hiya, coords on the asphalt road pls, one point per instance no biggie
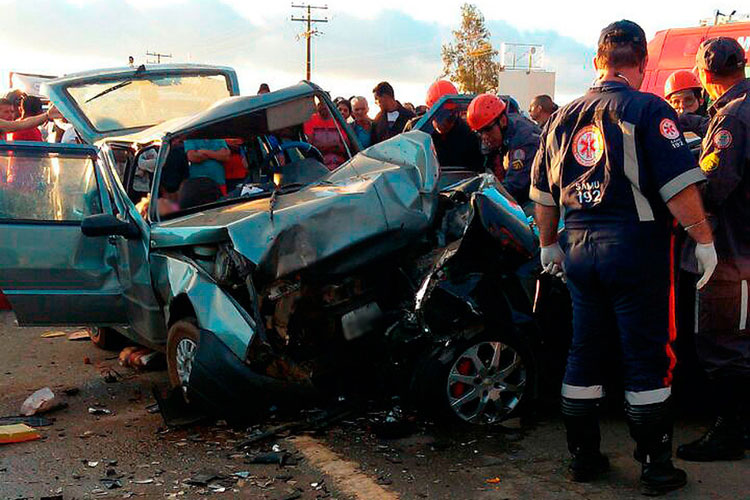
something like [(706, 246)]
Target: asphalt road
[(348, 460)]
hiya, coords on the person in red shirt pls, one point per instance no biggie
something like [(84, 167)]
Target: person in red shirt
[(323, 132), (30, 106), (235, 168)]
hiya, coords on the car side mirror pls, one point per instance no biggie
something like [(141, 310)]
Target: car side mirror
[(108, 225)]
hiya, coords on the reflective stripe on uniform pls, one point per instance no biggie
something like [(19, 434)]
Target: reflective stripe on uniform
[(743, 306), (638, 398), (580, 392), (555, 166), (672, 308), (630, 165), (680, 182)]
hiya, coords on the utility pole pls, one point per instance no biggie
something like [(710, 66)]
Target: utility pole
[(158, 56), (310, 32)]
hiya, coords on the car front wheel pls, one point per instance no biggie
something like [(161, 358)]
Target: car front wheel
[(182, 346)]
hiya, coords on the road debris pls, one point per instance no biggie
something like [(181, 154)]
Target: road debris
[(33, 420), (203, 478), (41, 401), (80, 335), (53, 334), (281, 458), (492, 480), (91, 463), (17, 433), (111, 483), (96, 410), (139, 357)]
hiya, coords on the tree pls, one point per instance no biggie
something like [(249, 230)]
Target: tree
[(470, 61)]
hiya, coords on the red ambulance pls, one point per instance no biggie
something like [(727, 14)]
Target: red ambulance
[(675, 49)]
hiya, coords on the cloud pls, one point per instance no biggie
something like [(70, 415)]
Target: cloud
[(362, 44)]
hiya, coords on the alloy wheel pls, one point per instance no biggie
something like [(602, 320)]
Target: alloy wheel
[(184, 357), (486, 382)]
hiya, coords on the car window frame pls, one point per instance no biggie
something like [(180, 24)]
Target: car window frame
[(84, 150)]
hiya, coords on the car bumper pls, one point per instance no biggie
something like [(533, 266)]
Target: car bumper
[(225, 385)]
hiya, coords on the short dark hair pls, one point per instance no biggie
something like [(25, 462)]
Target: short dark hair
[(383, 88), (615, 55), (15, 96), (345, 102), (546, 102), (32, 105)]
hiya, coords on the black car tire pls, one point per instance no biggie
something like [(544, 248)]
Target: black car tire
[(182, 333), (433, 391), (108, 339)]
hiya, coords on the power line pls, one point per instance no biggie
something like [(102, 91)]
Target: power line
[(310, 32), (158, 57)]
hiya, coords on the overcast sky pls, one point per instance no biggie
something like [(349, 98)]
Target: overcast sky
[(363, 42)]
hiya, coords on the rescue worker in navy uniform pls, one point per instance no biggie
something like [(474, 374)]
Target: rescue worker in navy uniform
[(455, 144), (617, 163), (509, 143), (722, 338)]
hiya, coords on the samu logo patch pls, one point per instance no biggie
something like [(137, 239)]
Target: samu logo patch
[(588, 146)]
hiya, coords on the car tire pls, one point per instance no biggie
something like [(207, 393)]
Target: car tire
[(182, 343), (108, 339), (447, 373)]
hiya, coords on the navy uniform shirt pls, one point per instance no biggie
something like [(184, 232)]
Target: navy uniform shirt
[(511, 164), (725, 160), (613, 156)]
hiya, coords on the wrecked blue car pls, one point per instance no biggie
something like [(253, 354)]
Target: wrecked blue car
[(292, 283)]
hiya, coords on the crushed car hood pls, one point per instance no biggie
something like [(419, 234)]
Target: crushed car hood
[(375, 203)]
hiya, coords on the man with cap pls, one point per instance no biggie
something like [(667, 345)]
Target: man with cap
[(456, 145), (722, 336), (684, 93), (617, 163), (509, 143)]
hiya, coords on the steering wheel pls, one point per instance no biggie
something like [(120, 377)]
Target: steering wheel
[(307, 149)]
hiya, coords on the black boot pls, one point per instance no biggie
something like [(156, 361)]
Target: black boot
[(581, 418), (723, 441), (651, 427)]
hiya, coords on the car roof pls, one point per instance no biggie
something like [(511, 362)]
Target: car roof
[(152, 68), (233, 106)]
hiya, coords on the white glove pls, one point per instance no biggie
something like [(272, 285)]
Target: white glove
[(552, 258), (705, 253)]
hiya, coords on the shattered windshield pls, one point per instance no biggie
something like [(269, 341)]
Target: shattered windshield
[(125, 104)]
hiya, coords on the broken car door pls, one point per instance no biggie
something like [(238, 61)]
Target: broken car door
[(49, 270)]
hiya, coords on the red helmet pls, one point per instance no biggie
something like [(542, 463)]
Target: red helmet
[(438, 89), (681, 80), (483, 110)]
